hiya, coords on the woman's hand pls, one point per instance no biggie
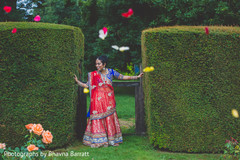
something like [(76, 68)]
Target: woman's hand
[(80, 83), (140, 75), (75, 77)]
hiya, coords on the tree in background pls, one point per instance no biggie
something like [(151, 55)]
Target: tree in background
[(14, 15), (93, 15)]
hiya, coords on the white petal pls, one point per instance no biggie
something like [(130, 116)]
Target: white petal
[(123, 48), (102, 35), (101, 32), (115, 47)]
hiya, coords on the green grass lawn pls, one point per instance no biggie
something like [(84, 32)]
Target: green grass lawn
[(134, 147)]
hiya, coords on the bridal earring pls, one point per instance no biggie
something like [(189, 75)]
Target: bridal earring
[(104, 68)]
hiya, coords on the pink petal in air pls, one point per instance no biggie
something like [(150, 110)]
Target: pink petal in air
[(128, 14), (14, 30), (125, 15), (37, 18), (130, 11), (206, 30), (7, 9), (105, 30)]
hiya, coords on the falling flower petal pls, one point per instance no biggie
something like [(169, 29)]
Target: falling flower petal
[(14, 30), (102, 35), (152, 68), (206, 30), (125, 15), (7, 9), (115, 47), (85, 90), (148, 69), (128, 14), (123, 48), (235, 113), (105, 30), (130, 11), (37, 18)]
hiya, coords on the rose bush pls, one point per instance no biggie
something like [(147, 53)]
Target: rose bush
[(32, 148), (232, 149)]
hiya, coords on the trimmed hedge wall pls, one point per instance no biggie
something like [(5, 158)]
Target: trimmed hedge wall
[(37, 85), (195, 85)]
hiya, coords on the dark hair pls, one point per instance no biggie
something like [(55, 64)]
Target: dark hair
[(103, 59)]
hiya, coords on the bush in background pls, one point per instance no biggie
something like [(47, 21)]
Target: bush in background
[(37, 86), (194, 87)]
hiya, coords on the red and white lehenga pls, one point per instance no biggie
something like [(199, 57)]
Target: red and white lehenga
[(103, 127)]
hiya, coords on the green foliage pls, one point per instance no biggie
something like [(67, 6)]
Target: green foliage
[(22, 152), (191, 12), (15, 15), (37, 67), (190, 94), (130, 70), (93, 15), (232, 149), (133, 148)]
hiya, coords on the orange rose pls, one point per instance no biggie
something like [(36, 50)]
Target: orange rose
[(29, 126), (37, 129), (2, 146), (47, 137), (32, 147)]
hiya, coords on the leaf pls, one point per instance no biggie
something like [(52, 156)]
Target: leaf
[(17, 149), (23, 148), (39, 142)]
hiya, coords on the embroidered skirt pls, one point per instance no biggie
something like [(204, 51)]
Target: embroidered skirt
[(103, 132)]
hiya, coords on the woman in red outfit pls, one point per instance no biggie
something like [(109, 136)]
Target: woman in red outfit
[(103, 127)]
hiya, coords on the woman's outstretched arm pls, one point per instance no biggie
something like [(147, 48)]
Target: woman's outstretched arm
[(80, 83), (132, 77)]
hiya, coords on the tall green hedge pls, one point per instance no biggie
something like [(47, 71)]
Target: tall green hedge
[(37, 85), (195, 85)]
